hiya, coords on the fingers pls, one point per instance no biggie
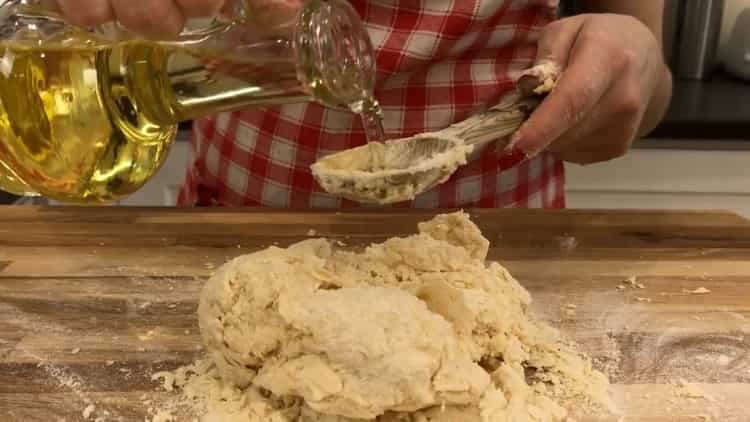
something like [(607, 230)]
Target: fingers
[(153, 19), (557, 40), (580, 87), (607, 134), (200, 8), (86, 12)]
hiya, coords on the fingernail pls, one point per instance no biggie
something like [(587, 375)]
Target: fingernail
[(514, 139), (530, 153)]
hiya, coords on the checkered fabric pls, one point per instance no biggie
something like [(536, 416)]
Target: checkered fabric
[(438, 62)]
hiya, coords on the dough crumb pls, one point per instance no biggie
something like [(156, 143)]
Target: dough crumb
[(148, 336), (163, 416), (688, 390), (75, 351), (88, 411), (312, 232), (643, 299), (109, 362), (567, 244), (633, 282), (621, 287), (698, 291), (168, 379), (449, 338)]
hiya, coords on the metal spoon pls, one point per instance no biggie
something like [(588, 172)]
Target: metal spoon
[(398, 170)]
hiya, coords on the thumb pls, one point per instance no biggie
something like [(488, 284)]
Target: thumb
[(553, 49)]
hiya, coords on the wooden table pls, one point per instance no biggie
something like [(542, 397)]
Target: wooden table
[(93, 300)]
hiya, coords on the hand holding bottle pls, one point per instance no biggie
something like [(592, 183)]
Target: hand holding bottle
[(151, 18)]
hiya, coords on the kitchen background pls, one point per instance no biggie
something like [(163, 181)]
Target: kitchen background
[(698, 158)]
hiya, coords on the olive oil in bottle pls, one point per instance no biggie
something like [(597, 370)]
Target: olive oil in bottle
[(72, 129), (93, 123)]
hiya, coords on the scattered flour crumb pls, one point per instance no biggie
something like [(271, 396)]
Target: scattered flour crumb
[(75, 351), (163, 416), (126, 372), (690, 391), (567, 244), (621, 287), (698, 291), (312, 232), (168, 379), (148, 336), (209, 266), (88, 411), (172, 306), (570, 309), (144, 305), (633, 282), (141, 349), (109, 362), (643, 299)]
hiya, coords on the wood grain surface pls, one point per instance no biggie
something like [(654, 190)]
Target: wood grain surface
[(94, 300)]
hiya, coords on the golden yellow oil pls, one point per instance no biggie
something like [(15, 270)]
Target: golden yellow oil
[(86, 122), (68, 126)]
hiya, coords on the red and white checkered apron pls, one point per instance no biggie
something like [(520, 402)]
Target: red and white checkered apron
[(438, 62)]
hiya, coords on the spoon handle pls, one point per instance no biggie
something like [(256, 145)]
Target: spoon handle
[(502, 120), (495, 123)]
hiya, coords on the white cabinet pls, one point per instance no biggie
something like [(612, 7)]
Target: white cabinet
[(666, 179), (162, 189)]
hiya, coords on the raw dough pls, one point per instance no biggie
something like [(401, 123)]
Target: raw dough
[(412, 329)]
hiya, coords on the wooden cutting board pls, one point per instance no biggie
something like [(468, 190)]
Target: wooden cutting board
[(94, 300)]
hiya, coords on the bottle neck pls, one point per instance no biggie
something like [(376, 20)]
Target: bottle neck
[(335, 58), (322, 55)]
